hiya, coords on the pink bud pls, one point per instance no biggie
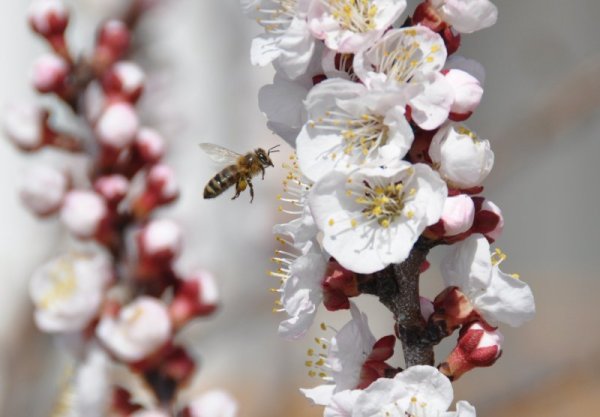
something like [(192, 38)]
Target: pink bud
[(197, 295), (25, 126), (48, 17), (488, 219), (161, 188), (150, 145), (112, 187), (43, 190), (458, 214), (478, 346), (50, 74), (118, 125), (160, 241), (83, 212), (215, 403), (124, 79), (467, 93), (113, 41)]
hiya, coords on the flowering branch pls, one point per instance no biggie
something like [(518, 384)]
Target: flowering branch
[(117, 294), (384, 171)]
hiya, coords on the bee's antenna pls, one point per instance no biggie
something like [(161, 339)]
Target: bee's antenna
[(273, 149)]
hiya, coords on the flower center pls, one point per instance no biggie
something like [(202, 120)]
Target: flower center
[(63, 284), (277, 18), (361, 135), (405, 57), (384, 203), (354, 15)]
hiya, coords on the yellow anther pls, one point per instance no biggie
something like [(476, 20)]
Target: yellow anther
[(385, 223), (308, 364), (331, 222), (312, 374), (353, 222), (320, 362), (410, 214), (323, 326), (310, 352)]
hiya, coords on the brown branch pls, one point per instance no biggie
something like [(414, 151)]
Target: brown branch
[(397, 287)]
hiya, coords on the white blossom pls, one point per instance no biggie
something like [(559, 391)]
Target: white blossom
[(496, 296), (372, 217), (286, 40), (49, 73), (82, 212), (349, 126), (349, 25), (462, 158), (301, 292), (140, 329), (409, 60), (24, 125), (68, 291), (467, 91), (417, 391), (118, 125), (347, 353), (43, 189), (467, 16), (92, 385)]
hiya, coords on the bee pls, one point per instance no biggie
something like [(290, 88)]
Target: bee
[(240, 170)]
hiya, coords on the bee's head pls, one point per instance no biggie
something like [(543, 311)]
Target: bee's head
[(264, 157)]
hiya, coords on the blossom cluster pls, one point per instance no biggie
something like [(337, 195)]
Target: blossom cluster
[(374, 103), (116, 298)]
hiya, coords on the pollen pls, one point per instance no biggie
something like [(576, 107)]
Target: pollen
[(353, 15), (331, 222)]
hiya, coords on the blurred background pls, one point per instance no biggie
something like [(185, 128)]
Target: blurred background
[(540, 110)]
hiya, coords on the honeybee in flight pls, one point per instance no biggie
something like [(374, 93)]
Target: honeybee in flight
[(240, 170)]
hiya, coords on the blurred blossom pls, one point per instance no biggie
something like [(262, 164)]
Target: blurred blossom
[(43, 189), (213, 403), (83, 212)]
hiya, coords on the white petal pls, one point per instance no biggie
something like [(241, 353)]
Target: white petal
[(428, 385), (264, 50), (468, 265), (342, 404), (431, 108), (319, 395)]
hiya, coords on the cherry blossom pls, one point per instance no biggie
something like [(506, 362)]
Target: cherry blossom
[(467, 16), (43, 189), (213, 403), (462, 158), (68, 291), (373, 216)]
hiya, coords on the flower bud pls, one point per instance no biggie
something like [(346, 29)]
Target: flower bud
[(214, 403), (124, 80), (67, 292), (488, 219), (118, 125), (452, 309), (161, 189), (178, 366), (113, 41), (83, 212), (43, 189), (427, 15), (458, 214), (466, 16), (50, 74), (338, 285), (26, 126), (140, 329), (478, 346), (197, 295), (467, 93), (160, 241), (150, 145), (462, 159), (48, 17), (113, 188)]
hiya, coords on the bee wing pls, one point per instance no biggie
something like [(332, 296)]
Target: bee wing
[(219, 154)]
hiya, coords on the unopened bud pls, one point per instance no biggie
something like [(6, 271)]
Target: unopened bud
[(452, 309), (488, 219), (467, 93), (83, 213), (197, 295), (125, 80), (458, 214), (161, 188), (43, 190), (117, 125), (113, 188), (50, 74), (113, 41), (150, 145), (478, 346), (25, 125), (48, 17), (178, 366), (160, 241)]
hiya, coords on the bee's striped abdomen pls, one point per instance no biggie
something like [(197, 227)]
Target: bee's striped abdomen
[(223, 180)]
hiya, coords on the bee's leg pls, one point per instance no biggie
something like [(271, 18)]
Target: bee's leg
[(262, 169), (240, 186), (251, 189)]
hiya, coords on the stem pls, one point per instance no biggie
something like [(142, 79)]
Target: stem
[(397, 287)]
